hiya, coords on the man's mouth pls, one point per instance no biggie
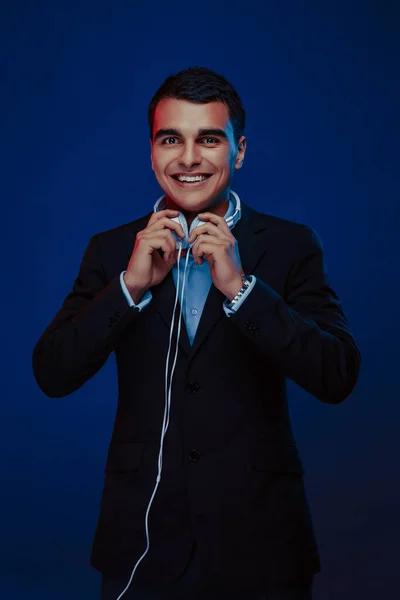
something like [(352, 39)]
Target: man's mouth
[(191, 180)]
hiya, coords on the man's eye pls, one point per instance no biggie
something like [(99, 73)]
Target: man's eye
[(165, 141)]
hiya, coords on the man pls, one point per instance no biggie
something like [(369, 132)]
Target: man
[(228, 514)]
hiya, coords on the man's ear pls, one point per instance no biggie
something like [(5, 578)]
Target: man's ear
[(151, 155), (241, 152)]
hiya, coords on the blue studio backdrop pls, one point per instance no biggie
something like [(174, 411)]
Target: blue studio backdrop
[(319, 82)]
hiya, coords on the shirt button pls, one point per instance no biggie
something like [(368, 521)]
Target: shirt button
[(194, 311)]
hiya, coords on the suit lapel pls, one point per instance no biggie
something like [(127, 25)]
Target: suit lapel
[(251, 250)]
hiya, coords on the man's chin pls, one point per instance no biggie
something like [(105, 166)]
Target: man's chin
[(189, 200)]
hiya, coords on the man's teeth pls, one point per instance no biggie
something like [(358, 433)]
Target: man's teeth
[(192, 179)]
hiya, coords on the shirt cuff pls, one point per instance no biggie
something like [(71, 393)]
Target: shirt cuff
[(231, 311), (147, 297)]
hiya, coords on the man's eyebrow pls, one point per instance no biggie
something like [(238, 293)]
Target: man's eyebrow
[(211, 131)]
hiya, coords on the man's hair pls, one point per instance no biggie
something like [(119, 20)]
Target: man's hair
[(201, 85)]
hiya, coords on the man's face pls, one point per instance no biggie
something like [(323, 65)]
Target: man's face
[(180, 147)]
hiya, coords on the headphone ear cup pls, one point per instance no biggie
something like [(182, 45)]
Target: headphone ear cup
[(181, 243)]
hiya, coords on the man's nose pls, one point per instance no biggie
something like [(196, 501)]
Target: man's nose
[(190, 155)]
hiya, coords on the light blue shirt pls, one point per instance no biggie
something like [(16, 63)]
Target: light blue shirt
[(197, 285)]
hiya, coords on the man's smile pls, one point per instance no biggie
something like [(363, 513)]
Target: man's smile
[(191, 180)]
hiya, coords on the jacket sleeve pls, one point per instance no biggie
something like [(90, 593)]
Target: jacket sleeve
[(306, 337), (77, 343)]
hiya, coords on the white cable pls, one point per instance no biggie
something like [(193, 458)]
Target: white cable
[(168, 403)]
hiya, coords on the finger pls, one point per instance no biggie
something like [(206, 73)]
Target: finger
[(177, 227), (156, 216), (170, 254), (159, 216), (209, 228), (216, 220), (206, 246), (164, 241), (166, 222)]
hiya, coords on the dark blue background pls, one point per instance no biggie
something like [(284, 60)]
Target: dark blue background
[(319, 81)]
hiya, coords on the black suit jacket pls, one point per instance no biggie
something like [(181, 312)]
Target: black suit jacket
[(232, 479)]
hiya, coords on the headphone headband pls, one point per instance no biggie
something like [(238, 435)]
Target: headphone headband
[(230, 221)]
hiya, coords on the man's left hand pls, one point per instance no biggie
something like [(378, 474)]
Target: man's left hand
[(217, 244)]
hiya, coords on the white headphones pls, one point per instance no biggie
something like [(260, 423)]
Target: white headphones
[(183, 243)]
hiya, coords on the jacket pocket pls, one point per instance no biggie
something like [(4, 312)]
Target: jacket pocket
[(277, 457), (124, 457)]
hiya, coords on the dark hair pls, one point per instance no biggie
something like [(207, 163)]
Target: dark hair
[(199, 84)]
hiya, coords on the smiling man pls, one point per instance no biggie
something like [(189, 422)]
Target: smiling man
[(222, 511), (194, 155)]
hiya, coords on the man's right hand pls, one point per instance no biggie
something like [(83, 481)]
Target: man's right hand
[(146, 268)]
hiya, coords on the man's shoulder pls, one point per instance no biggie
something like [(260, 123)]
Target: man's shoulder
[(281, 224), (284, 228), (124, 229)]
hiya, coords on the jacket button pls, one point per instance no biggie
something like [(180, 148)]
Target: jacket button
[(194, 455), (192, 386)]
